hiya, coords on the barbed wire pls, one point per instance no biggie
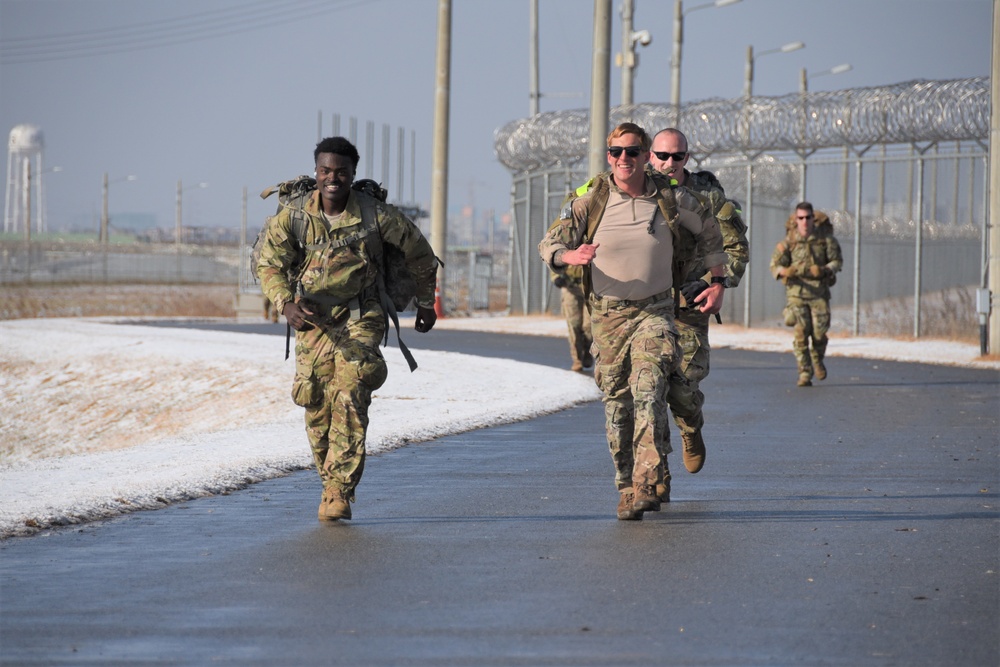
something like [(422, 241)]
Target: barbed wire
[(912, 112)]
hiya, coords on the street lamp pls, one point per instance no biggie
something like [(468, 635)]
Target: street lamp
[(675, 60), (103, 236), (748, 83), (804, 77), (628, 59), (177, 225)]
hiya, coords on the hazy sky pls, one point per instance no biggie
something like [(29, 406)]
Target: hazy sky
[(229, 92)]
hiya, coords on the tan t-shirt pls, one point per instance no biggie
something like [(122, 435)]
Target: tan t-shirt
[(632, 263)]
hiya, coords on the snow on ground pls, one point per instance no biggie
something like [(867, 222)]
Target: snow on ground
[(926, 351), (99, 418)]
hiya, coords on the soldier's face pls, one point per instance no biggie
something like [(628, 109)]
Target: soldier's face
[(624, 167), (804, 222), (669, 146), (334, 175)]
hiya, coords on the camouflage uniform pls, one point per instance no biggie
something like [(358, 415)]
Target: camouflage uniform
[(685, 397), (635, 340), (816, 260), (338, 363)]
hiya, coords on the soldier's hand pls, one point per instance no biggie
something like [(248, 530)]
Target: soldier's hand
[(692, 289), (297, 316), (581, 256), (426, 317), (710, 298), (790, 272), (816, 271)]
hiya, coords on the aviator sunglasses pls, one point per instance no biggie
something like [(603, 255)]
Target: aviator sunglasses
[(664, 156), (631, 151)]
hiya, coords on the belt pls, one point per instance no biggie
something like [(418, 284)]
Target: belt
[(604, 304)]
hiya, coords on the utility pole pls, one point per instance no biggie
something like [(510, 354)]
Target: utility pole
[(599, 78), (990, 319), (628, 53), (439, 170), (533, 93)]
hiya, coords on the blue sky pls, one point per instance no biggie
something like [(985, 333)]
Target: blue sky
[(233, 100)]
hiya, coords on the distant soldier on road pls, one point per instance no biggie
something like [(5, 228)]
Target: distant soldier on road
[(573, 303), (807, 261)]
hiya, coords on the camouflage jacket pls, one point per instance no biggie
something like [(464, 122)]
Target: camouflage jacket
[(571, 229), (734, 230), (819, 249), (334, 263)]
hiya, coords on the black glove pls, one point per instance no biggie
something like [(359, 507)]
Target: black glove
[(559, 281), (691, 290)]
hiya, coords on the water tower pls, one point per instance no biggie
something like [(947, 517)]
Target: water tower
[(25, 143)]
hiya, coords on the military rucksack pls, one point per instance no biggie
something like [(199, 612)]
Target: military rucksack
[(396, 285)]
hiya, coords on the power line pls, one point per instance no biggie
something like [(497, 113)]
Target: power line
[(211, 24)]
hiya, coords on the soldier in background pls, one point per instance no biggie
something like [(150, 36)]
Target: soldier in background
[(337, 312), (807, 261), (669, 156), (574, 308), (621, 230)]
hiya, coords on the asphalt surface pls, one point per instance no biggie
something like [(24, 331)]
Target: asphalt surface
[(852, 523)]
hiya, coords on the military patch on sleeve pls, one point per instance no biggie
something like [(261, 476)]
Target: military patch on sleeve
[(567, 212)]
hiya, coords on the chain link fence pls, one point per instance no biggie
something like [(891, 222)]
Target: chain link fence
[(40, 262), (901, 171)]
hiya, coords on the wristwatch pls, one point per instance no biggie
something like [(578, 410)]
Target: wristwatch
[(722, 280)]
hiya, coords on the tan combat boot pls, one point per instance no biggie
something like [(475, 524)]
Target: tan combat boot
[(805, 379), (626, 506), (334, 505), (663, 488), (817, 361), (646, 499), (694, 451)]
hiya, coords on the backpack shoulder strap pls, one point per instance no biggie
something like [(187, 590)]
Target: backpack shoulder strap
[(599, 194), (373, 241)]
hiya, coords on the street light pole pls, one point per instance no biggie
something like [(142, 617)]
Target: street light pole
[(675, 60), (177, 222), (804, 77), (628, 59), (628, 53), (751, 58), (103, 236), (177, 217)]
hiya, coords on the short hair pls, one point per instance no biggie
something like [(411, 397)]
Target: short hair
[(674, 131), (630, 128), (804, 206), (337, 146)]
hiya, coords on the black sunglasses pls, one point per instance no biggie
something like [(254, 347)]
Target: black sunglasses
[(660, 155), (631, 151)]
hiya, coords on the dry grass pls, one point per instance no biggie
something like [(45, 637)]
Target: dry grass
[(30, 301), (947, 315)]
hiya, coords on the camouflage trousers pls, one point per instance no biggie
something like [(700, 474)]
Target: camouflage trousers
[(574, 309), (637, 350), (812, 321), (685, 397), (338, 365)]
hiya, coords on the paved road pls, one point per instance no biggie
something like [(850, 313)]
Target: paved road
[(854, 523)]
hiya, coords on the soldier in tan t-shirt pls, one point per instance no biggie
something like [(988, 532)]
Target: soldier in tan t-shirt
[(622, 232)]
